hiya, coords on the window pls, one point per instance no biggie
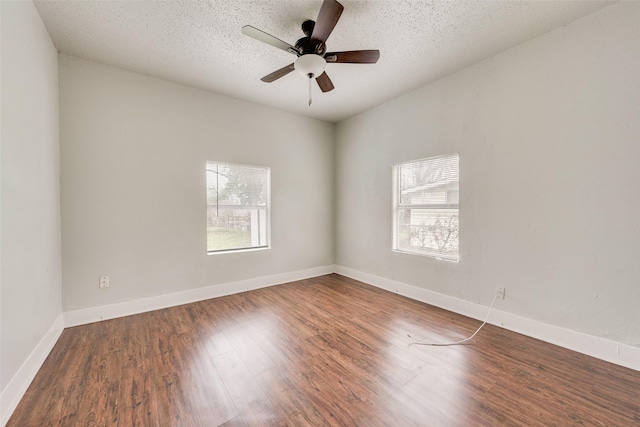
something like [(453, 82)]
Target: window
[(237, 207), (426, 194)]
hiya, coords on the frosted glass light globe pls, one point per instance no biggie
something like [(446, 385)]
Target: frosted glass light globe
[(310, 65)]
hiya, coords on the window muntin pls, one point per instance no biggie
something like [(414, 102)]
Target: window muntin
[(237, 207), (426, 198)]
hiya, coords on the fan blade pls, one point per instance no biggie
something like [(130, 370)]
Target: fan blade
[(260, 35), (353, 57), (278, 73), (327, 19), (324, 82)]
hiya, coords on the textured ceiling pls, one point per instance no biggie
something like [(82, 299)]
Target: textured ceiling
[(200, 44)]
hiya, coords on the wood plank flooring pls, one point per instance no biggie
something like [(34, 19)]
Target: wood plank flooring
[(328, 351)]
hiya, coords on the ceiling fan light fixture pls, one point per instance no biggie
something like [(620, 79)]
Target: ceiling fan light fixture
[(310, 65)]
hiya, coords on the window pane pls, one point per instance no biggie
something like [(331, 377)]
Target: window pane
[(429, 181), (234, 185), (237, 211), (428, 231)]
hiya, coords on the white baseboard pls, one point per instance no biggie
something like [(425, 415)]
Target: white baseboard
[(18, 385), (112, 311), (610, 351)]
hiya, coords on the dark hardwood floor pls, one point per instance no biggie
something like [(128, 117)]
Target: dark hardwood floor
[(328, 351)]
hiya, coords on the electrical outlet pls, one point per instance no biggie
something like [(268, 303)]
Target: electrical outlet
[(104, 282), (501, 293)]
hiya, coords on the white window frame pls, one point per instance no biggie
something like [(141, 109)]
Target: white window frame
[(263, 242), (403, 234)]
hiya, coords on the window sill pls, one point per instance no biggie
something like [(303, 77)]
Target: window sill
[(235, 251), (438, 258)]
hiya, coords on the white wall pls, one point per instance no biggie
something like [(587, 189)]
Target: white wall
[(31, 260), (133, 154), (549, 141)]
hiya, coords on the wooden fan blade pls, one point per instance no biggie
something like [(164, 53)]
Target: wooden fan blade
[(324, 82), (278, 73), (327, 19), (353, 57), (260, 35)]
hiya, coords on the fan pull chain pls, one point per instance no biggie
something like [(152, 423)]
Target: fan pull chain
[(310, 78)]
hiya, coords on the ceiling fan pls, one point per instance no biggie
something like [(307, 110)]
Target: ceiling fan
[(311, 49)]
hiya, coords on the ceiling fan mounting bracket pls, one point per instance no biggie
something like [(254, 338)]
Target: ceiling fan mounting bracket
[(307, 27)]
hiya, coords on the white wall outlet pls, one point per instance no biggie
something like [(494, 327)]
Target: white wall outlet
[(104, 282), (501, 293)]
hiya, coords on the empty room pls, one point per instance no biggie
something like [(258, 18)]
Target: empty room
[(320, 213)]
